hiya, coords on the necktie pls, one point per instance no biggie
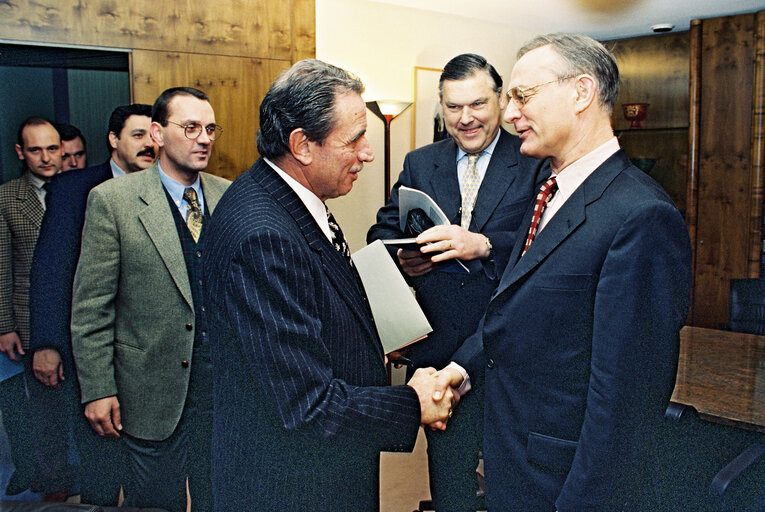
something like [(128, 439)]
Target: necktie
[(543, 197), (338, 239), (469, 189), (46, 188), (193, 213)]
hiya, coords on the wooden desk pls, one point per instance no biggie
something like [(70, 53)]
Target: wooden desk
[(721, 374)]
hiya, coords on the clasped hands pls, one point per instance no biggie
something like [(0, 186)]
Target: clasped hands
[(441, 243), (437, 391)]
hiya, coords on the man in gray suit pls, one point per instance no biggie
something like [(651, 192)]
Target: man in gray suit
[(139, 333), (22, 205)]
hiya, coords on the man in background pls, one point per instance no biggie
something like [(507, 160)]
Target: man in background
[(56, 396), (302, 405), (580, 341), (73, 146), (483, 184), (139, 332), (22, 205)]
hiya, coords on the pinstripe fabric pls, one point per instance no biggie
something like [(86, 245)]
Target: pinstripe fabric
[(21, 214), (302, 408)]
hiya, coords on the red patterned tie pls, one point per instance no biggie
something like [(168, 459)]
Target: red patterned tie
[(543, 197)]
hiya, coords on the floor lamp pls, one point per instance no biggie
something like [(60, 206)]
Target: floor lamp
[(387, 111)]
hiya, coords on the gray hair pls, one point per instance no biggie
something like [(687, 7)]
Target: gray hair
[(583, 54), (302, 97)]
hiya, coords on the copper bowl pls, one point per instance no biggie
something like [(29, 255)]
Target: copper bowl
[(635, 112)]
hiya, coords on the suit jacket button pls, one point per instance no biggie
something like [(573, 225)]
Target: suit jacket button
[(189, 327), (490, 363), (185, 363)]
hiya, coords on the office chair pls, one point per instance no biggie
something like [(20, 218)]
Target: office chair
[(747, 306)]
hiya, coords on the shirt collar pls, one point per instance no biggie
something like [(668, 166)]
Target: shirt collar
[(574, 175), (315, 206), (176, 188), (116, 169), (488, 150), (35, 180)]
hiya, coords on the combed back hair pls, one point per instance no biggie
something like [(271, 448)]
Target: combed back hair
[(302, 97), (120, 116), (160, 112), (582, 54), (69, 132), (465, 66), (31, 121)]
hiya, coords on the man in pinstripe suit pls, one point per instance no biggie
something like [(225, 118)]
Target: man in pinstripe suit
[(302, 405), (22, 205)]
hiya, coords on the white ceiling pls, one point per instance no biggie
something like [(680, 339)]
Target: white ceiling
[(601, 19)]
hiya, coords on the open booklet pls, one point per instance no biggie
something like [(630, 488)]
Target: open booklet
[(413, 205), (398, 317)]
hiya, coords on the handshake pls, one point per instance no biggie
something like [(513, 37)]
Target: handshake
[(437, 391)]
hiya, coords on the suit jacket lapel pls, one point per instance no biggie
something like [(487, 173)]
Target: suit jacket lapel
[(571, 215), (157, 219), (31, 206), (446, 186), (343, 276), (496, 181)]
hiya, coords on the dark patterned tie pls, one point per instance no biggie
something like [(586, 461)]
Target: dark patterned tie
[(543, 197), (193, 213), (338, 239)]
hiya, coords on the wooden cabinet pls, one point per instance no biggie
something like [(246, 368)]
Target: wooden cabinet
[(705, 129), (654, 70)]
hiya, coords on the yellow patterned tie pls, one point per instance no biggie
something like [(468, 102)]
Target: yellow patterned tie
[(193, 213), (470, 186)]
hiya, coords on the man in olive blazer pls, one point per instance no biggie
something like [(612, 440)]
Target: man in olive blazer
[(133, 278), (136, 310)]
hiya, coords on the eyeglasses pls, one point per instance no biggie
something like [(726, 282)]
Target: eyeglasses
[(194, 130), (521, 96)]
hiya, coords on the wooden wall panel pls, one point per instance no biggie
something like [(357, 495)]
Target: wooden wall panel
[(231, 49), (235, 86), (723, 228), (303, 29), (255, 28)]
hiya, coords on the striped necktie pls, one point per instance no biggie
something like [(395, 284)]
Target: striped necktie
[(543, 197)]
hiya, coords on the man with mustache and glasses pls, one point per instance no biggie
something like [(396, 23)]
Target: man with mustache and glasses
[(56, 395)]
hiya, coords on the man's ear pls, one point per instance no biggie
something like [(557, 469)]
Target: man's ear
[(19, 151), (586, 92), (300, 146), (113, 141), (155, 130)]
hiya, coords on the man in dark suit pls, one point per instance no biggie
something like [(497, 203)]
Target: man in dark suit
[(579, 343), (22, 205), (139, 332), (302, 406), (56, 396), (505, 182)]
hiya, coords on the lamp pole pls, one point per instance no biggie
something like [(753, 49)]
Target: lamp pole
[(387, 111)]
